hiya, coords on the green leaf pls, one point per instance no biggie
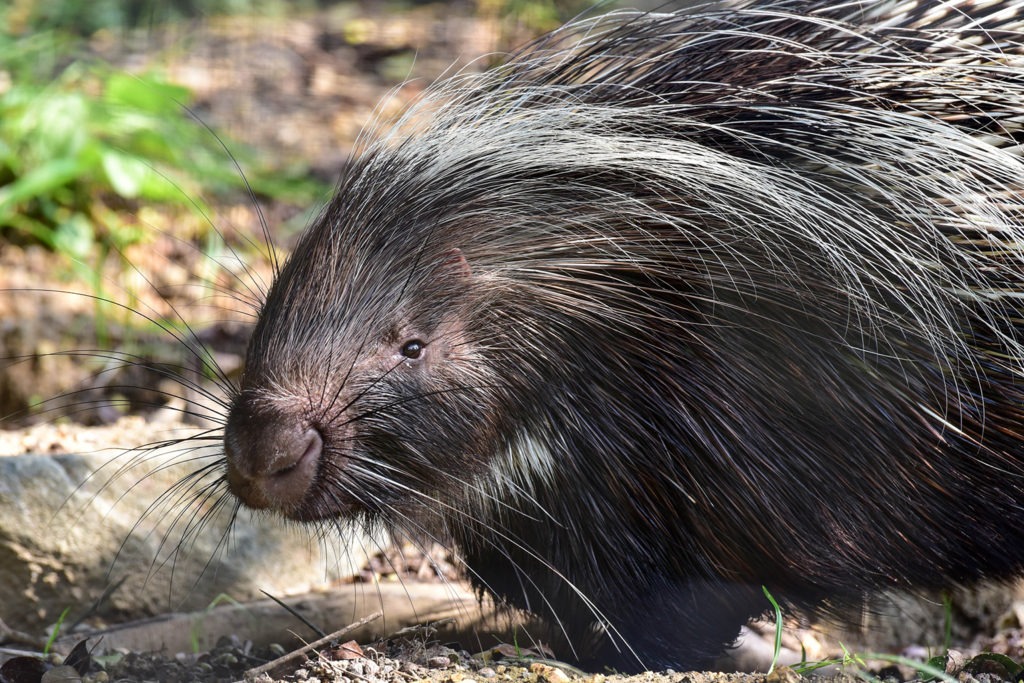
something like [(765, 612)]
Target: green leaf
[(938, 662), (132, 177), (146, 94), (27, 225), (41, 180), (75, 237), (126, 173), (994, 663), (57, 125)]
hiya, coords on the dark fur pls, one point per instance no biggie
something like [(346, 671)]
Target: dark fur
[(704, 303)]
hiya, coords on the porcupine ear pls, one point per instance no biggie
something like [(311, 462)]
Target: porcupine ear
[(455, 265)]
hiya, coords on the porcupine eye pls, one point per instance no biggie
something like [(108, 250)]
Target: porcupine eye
[(412, 349)]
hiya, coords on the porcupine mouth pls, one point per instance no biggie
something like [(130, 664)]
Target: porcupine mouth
[(319, 506), (333, 492), (313, 503), (285, 474)]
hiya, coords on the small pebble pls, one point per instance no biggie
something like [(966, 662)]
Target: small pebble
[(62, 674), (955, 661), (225, 659), (549, 673), (783, 674)]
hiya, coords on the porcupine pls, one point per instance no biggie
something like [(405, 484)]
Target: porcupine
[(669, 307)]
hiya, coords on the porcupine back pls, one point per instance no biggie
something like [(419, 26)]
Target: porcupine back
[(669, 307)]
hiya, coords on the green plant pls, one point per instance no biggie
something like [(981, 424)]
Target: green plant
[(56, 631), (68, 155), (75, 151), (195, 631), (83, 147), (857, 663), (947, 621), (84, 17), (778, 627)]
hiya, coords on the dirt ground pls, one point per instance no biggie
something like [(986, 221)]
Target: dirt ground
[(301, 90)]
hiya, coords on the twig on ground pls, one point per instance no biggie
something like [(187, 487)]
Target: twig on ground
[(295, 654), (10, 635)]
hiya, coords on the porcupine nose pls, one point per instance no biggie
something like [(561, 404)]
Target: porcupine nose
[(272, 456)]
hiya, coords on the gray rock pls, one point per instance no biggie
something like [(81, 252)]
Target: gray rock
[(76, 526)]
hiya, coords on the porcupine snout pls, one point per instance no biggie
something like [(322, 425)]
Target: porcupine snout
[(272, 455)]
